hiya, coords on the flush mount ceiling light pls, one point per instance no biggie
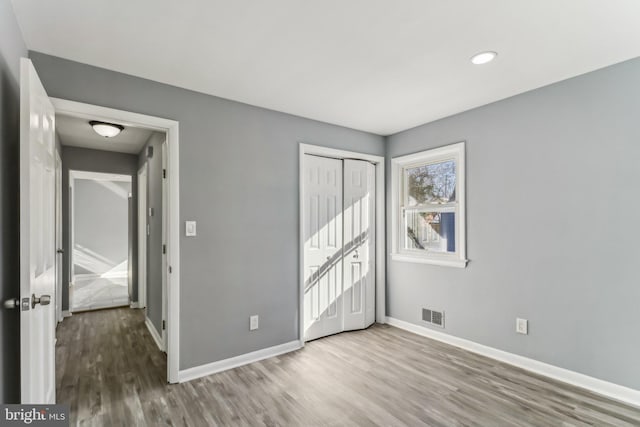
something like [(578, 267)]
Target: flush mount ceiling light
[(483, 57), (108, 130)]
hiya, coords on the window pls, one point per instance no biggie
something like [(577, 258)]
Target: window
[(428, 207)]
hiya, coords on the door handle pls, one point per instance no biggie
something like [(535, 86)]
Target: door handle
[(43, 300), (11, 303), (60, 251)]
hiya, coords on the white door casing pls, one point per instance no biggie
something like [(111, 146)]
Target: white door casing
[(322, 217), (37, 239), (165, 265), (142, 237), (359, 244), (58, 222)]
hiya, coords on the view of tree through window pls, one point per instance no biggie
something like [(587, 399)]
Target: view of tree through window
[(433, 183)]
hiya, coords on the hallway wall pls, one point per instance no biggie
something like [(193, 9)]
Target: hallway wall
[(154, 238)]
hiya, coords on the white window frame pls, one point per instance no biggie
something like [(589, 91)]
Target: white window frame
[(399, 165)]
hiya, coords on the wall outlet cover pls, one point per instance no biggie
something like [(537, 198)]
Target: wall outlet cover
[(254, 322), (522, 326)]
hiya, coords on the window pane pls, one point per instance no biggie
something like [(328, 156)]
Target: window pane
[(433, 183), (433, 231)]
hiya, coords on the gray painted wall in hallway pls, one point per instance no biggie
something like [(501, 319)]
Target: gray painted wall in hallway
[(12, 47), (552, 219), (84, 159), (154, 239), (238, 175)]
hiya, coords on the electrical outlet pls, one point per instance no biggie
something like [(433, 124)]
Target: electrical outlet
[(253, 322), (522, 326)]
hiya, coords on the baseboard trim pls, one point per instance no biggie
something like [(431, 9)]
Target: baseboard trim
[(234, 362), (66, 313), (134, 304), (154, 333), (595, 385)]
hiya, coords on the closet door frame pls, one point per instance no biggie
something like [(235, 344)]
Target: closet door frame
[(380, 239)]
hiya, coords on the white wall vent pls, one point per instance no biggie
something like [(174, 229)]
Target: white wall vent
[(433, 317)]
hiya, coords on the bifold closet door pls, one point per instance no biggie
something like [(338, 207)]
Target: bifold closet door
[(359, 244), (322, 232)]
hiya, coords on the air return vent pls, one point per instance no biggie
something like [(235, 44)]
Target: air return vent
[(433, 317)]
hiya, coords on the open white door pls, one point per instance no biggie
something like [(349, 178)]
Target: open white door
[(37, 239)]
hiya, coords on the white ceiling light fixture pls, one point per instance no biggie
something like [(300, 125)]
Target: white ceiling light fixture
[(108, 130), (483, 57)]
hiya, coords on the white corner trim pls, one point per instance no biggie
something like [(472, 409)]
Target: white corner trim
[(234, 362), (460, 263), (595, 385), (134, 304), (66, 313), (154, 333)]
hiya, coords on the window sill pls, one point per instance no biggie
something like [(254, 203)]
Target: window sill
[(458, 263)]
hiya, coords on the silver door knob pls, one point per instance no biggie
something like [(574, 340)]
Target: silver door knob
[(43, 300), (12, 303)]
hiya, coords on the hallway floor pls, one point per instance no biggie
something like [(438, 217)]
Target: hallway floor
[(89, 292), (110, 372)]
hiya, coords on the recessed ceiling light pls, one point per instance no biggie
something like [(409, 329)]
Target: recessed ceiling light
[(108, 130), (483, 57)]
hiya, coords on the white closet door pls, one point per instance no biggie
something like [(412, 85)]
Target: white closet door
[(322, 225), (359, 244)]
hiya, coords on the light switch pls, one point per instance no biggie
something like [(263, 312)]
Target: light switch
[(190, 228)]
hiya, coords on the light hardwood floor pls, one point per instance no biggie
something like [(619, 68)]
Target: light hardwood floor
[(111, 373)]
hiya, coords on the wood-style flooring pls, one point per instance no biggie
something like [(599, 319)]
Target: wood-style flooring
[(111, 373)]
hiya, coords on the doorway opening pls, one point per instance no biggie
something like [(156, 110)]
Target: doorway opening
[(100, 206), (342, 285), (121, 240)]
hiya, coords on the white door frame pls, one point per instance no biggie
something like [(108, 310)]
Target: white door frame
[(171, 128), (73, 176), (142, 235), (165, 206), (378, 161), (59, 231)]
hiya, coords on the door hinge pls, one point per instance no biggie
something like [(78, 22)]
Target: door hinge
[(164, 249), (170, 270), (164, 173), (164, 325)]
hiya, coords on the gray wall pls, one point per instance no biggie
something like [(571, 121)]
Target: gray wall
[(552, 184), (83, 159), (101, 222), (239, 180), (154, 238), (12, 47)]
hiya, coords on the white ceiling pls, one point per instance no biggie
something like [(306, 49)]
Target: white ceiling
[(77, 132), (376, 65)]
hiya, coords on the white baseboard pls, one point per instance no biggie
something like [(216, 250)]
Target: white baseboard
[(66, 313), (134, 304), (154, 333), (234, 362), (604, 388)]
